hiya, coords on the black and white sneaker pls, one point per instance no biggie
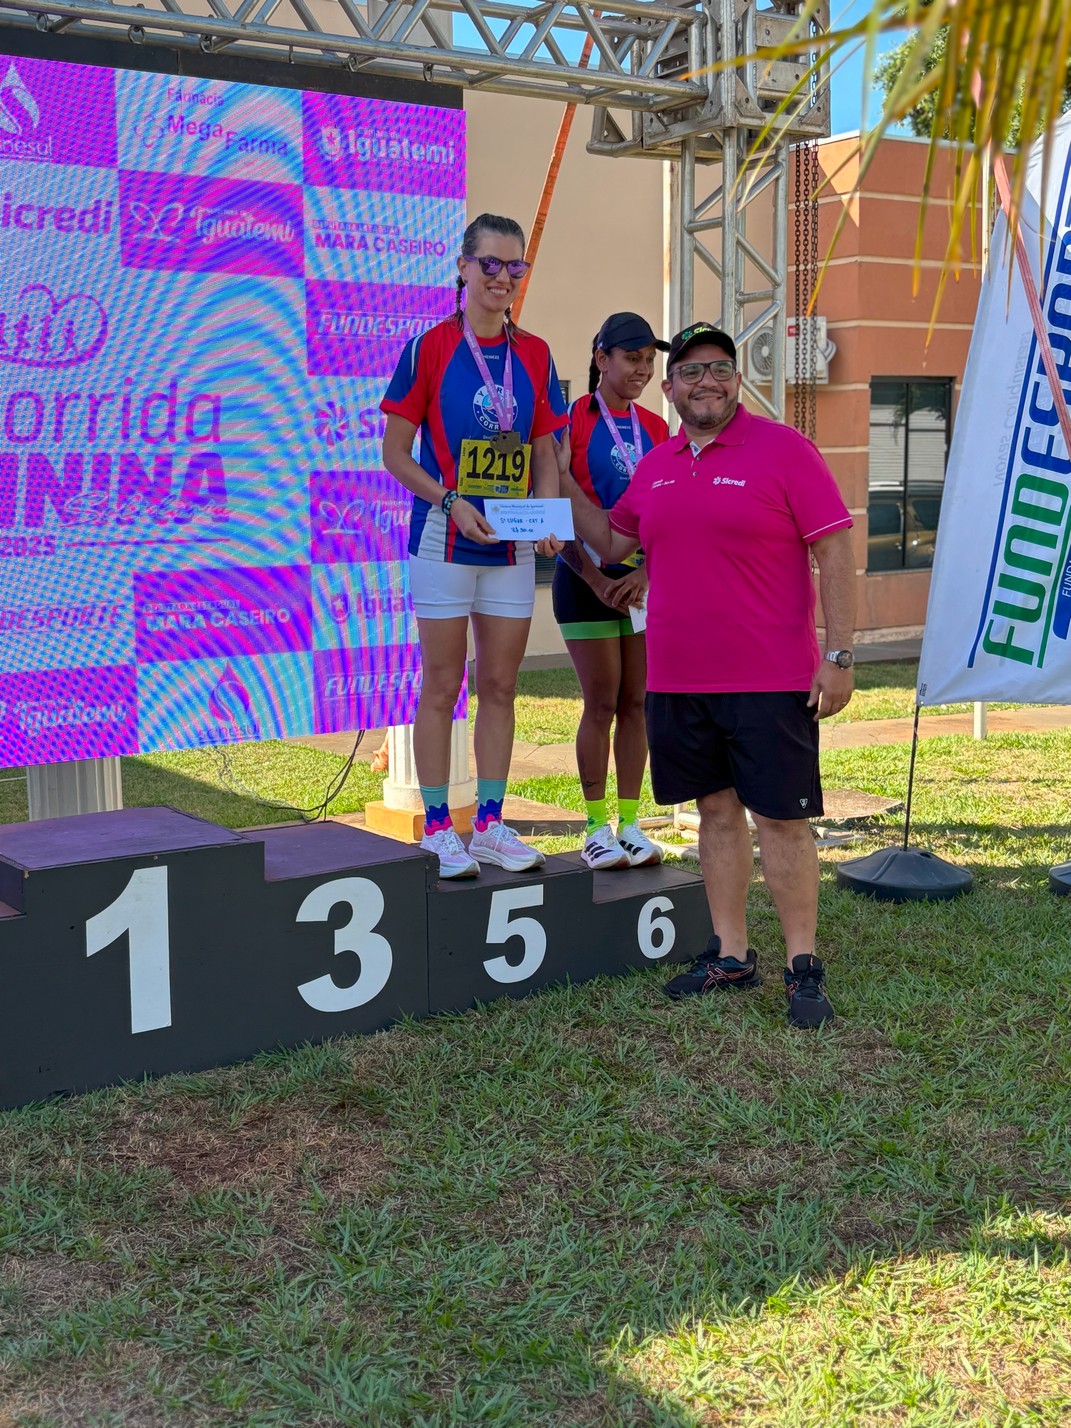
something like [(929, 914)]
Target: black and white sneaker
[(602, 851), (641, 851)]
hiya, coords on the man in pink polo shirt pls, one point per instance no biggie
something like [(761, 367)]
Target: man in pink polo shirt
[(729, 512)]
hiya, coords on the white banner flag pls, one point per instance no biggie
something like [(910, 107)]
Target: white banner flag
[(998, 624)]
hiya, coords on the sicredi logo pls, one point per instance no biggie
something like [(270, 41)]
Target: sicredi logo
[(20, 118), (28, 217), (231, 709), (156, 132)]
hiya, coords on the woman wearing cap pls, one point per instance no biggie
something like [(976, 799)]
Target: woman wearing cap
[(595, 604), (487, 402)]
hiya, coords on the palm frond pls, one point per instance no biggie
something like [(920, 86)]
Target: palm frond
[(1015, 55)]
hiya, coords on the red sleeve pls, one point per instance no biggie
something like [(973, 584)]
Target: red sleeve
[(410, 389), (580, 425), (655, 426), (550, 413)]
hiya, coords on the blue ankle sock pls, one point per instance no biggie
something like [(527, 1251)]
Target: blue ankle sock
[(490, 793), (436, 807)]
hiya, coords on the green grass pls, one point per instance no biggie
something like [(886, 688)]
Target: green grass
[(595, 1207), (549, 705)]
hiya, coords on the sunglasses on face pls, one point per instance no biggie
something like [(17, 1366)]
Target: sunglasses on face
[(692, 372), (491, 267)]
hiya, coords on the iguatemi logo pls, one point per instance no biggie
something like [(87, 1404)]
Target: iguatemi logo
[(484, 407), (168, 222), (340, 607), (231, 709), (20, 118), (40, 329)]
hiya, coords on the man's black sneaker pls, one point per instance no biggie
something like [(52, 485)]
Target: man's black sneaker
[(805, 987), (711, 972)]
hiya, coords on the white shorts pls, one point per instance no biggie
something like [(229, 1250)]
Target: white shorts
[(442, 590)]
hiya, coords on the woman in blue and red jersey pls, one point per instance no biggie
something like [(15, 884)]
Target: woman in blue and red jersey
[(485, 398), (608, 434)]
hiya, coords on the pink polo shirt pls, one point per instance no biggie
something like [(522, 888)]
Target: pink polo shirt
[(727, 533)]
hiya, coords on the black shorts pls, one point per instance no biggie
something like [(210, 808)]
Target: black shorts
[(580, 612), (763, 745)]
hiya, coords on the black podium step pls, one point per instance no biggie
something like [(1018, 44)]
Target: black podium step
[(147, 941)]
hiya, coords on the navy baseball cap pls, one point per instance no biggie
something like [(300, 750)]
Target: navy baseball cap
[(700, 332), (628, 331)]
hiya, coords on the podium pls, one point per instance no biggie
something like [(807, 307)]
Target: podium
[(145, 941)]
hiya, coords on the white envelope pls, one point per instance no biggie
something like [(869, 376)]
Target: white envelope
[(531, 520)]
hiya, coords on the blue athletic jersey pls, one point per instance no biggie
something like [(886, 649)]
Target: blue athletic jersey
[(437, 386), (596, 463)]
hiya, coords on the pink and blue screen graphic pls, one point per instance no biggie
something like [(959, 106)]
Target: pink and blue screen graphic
[(204, 288)]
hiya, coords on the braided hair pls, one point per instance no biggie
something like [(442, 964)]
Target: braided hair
[(594, 376), (487, 223)]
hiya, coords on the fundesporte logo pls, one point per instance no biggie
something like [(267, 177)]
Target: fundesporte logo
[(231, 708), (40, 329)]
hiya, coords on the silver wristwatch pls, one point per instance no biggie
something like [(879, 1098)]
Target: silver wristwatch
[(843, 659)]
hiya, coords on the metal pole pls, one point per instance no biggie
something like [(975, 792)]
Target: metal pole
[(78, 786)]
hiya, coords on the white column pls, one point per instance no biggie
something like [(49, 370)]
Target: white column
[(401, 787), (77, 786)]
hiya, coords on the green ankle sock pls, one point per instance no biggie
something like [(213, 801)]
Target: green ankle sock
[(596, 813), (627, 808)]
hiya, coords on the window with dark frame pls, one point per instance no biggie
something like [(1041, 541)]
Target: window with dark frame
[(910, 422)]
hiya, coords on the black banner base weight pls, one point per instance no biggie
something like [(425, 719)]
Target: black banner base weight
[(904, 875), (1060, 879)]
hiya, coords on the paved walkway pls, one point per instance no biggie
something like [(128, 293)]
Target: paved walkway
[(538, 760)]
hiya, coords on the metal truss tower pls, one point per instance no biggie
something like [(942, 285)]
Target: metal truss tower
[(664, 82)]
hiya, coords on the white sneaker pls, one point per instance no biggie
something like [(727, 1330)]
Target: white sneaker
[(638, 848), (502, 847), (455, 860), (602, 850)]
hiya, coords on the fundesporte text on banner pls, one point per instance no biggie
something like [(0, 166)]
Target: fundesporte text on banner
[(998, 624)]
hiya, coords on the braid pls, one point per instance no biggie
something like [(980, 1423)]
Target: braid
[(593, 377), (460, 290)]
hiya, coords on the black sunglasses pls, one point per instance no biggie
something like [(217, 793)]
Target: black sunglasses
[(491, 267)]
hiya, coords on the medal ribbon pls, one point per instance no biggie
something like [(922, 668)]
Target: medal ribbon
[(615, 432), (503, 409)]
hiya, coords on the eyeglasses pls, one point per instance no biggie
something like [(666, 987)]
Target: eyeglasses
[(491, 267), (692, 372)]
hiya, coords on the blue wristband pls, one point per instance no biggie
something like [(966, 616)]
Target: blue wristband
[(447, 502)]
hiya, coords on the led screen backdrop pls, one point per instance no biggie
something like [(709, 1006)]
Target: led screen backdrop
[(203, 289)]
